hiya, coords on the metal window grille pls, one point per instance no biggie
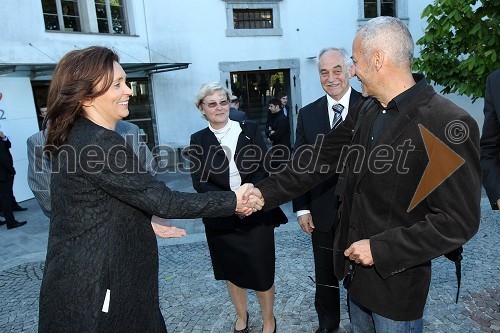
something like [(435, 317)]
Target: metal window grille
[(253, 18)]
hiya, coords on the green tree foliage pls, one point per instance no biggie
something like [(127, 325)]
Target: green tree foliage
[(461, 45)]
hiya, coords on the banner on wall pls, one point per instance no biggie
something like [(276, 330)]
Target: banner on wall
[(2, 112)]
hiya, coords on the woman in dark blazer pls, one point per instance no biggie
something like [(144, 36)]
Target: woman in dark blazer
[(223, 156), (101, 270)]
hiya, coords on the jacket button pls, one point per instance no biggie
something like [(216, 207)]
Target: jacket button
[(358, 191), (353, 226)]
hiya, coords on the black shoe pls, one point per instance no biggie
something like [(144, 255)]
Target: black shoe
[(18, 209), (16, 224), (275, 326), (326, 330), (245, 330), (2, 223)]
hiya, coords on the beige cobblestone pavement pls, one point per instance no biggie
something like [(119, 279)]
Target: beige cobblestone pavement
[(192, 301)]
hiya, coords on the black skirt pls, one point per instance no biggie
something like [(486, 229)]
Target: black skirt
[(244, 256)]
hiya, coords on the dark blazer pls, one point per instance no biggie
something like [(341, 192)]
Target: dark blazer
[(39, 166), (210, 171), (490, 139), (375, 204), (237, 115), (6, 162), (101, 238), (321, 201), (280, 124)]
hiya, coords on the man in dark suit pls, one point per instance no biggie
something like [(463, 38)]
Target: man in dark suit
[(277, 126), (317, 209), (234, 110), (7, 173), (403, 204), (278, 135), (490, 140), (283, 97)]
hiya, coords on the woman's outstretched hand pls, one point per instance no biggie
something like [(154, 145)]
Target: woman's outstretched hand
[(163, 228)]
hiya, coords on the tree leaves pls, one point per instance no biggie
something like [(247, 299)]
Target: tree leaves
[(459, 47)]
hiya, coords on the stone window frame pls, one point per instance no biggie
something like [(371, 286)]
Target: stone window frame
[(248, 4), (401, 11), (88, 19)]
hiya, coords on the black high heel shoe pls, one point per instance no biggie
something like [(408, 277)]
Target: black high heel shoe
[(245, 330), (275, 325)]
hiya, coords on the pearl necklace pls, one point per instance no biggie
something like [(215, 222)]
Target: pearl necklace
[(220, 131)]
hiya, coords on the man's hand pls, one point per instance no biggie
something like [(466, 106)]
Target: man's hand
[(360, 252), (252, 193), (246, 205), (163, 228), (306, 223), (498, 203)]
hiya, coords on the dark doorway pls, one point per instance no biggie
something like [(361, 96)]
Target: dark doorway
[(40, 91), (256, 88), (139, 106)]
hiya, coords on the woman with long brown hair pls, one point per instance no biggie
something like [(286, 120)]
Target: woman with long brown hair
[(101, 270)]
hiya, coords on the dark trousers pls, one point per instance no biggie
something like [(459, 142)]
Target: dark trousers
[(6, 196), (327, 298)]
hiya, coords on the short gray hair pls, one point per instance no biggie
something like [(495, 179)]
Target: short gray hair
[(208, 89), (347, 60), (391, 35)]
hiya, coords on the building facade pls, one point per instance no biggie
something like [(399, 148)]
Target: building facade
[(169, 48)]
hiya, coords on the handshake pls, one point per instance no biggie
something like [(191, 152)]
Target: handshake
[(249, 200)]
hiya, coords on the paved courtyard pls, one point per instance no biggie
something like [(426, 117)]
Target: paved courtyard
[(192, 301)]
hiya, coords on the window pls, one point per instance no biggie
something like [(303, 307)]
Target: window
[(372, 8), (253, 18), (89, 16), (111, 16), (62, 15)]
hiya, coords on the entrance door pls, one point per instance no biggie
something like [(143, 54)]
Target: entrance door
[(256, 88), (139, 106)]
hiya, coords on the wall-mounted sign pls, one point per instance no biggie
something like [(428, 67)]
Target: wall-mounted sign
[(2, 112)]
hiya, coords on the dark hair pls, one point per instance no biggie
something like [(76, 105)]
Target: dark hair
[(80, 75), (282, 94), (275, 101)]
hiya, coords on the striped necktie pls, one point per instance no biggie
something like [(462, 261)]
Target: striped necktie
[(337, 115)]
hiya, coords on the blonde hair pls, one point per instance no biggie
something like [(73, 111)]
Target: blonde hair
[(208, 89)]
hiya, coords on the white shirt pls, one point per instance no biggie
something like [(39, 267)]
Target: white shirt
[(344, 101), (228, 138), (331, 102)]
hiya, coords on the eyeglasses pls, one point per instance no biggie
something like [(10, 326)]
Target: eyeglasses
[(350, 276), (212, 105)]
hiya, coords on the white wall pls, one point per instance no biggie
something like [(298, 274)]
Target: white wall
[(22, 25), (192, 31), (200, 38)]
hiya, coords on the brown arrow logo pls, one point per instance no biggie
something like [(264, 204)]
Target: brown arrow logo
[(443, 162)]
